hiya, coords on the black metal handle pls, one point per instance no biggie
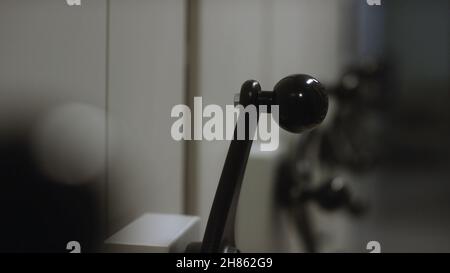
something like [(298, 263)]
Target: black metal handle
[(303, 104)]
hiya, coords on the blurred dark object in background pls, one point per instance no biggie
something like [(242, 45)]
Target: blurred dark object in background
[(348, 142), (37, 213), (417, 47), (363, 101)]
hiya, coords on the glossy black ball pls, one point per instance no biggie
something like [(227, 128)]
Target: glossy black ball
[(303, 102)]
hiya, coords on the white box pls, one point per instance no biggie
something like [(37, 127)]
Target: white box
[(156, 233)]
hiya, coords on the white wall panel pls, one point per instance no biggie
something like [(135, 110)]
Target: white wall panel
[(146, 78), (50, 54)]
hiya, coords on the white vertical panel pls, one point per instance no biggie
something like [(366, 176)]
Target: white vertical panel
[(50, 54), (146, 78), (230, 53)]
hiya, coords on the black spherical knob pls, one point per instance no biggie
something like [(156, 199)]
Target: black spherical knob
[(302, 101)]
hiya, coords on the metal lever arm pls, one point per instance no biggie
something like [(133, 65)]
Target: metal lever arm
[(219, 234)]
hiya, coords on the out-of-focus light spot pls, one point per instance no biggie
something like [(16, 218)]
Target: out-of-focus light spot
[(337, 183), (69, 143), (350, 81)]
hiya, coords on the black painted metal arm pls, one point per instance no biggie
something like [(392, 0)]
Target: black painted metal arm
[(303, 104), (219, 234)]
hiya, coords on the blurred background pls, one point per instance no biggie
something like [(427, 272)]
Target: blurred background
[(86, 94)]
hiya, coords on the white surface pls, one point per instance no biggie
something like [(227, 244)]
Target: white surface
[(156, 233)]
